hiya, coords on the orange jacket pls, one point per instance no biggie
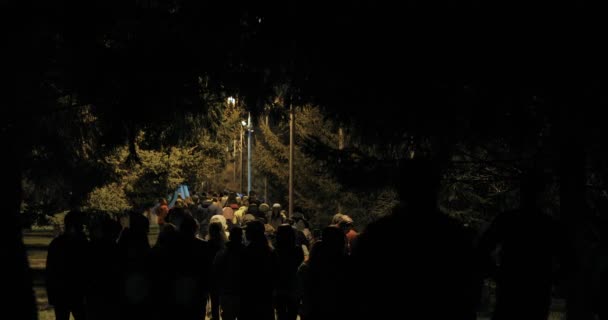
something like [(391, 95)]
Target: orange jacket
[(161, 213)]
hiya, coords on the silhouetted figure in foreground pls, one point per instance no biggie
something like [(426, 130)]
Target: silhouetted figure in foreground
[(163, 265), (324, 279), (258, 280), (290, 256), (66, 269), (134, 251), (217, 242), (228, 267), (193, 261), (415, 263), (600, 281), (528, 241), (104, 268)]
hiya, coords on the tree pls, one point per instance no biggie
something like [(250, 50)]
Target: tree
[(317, 190)]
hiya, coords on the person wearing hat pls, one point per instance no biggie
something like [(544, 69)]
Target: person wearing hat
[(248, 218), (264, 210), (346, 225), (275, 218), (255, 211)]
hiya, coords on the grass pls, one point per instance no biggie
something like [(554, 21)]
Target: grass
[(37, 258), (37, 242)]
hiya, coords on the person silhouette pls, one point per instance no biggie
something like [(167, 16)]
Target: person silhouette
[(325, 278), (66, 269), (416, 262), (528, 242), (258, 283)]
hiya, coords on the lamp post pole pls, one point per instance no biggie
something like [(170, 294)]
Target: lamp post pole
[(291, 142), (266, 176), (249, 130), (241, 160)]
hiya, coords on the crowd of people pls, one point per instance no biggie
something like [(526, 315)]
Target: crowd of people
[(232, 258), (215, 256)]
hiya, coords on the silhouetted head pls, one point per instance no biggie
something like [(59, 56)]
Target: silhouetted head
[(176, 216), (138, 223), (216, 232), (102, 227), (418, 184), (236, 234), (254, 231), (334, 242), (316, 254), (189, 227), (168, 236), (73, 222), (286, 237)]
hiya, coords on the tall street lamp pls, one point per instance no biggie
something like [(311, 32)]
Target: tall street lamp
[(232, 102), (241, 160), (249, 127), (291, 158)]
